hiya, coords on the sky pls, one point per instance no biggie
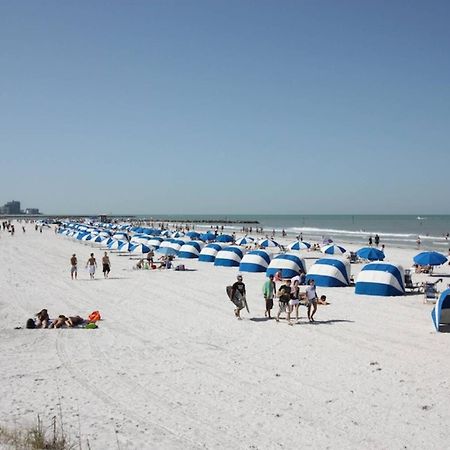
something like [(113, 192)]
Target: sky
[(225, 106)]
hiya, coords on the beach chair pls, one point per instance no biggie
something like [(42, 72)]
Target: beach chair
[(430, 292), (353, 258), (409, 282)]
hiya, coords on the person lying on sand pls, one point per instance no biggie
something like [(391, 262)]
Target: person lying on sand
[(43, 320), (59, 322), (322, 300), (74, 321)]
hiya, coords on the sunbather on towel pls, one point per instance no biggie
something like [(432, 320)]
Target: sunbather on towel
[(59, 322), (74, 321), (43, 320)]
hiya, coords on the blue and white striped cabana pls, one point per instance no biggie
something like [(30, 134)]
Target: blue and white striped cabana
[(382, 279), (441, 311), (209, 252), (255, 261), (190, 250), (290, 265), (330, 272), (229, 257)]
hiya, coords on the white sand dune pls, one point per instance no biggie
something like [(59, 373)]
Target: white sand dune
[(171, 367)]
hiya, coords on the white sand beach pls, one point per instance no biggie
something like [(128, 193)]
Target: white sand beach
[(170, 367)]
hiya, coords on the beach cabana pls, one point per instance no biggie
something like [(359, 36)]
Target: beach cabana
[(190, 250), (371, 254), (382, 279), (333, 249), (441, 311), (330, 272), (229, 257), (299, 245), (209, 252), (289, 265), (255, 261)]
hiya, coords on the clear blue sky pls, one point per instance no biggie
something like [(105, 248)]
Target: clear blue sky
[(225, 106)]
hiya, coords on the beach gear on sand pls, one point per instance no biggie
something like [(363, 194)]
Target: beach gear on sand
[(94, 316), (91, 326)]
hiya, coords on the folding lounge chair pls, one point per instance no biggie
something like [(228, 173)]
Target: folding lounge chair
[(353, 258), (409, 282), (430, 291)]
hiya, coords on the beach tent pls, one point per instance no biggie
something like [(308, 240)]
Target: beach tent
[(378, 278), (268, 243), (246, 240), (333, 249), (116, 245), (330, 272), (299, 245), (224, 238), (441, 310), (255, 261), (209, 252), (229, 257), (430, 259), (290, 265), (190, 250), (371, 254)]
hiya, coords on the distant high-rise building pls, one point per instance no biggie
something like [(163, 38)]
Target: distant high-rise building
[(32, 211), (12, 207)]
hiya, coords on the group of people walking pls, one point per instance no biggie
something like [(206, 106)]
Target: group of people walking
[(91, 266), (288, 294)]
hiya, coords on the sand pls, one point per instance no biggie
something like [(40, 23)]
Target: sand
[(170, 367)]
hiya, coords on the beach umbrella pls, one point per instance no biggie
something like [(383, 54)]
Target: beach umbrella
[(98, 239), (290, 265), (330, 272), (299, 245), (255, 261), (208, 236), (166, 251), (268, 243), (193, 235), (224, 238), (326, 240), (229, 257), (332, 249), (209, 252), (165, 233), (430, 259), (246, 240), (190, 250), (120, 236), (139, 239), (140, 248), (116, 245), (371, 254), (177, 234), (127, 247), (382, 279), (87, 237)]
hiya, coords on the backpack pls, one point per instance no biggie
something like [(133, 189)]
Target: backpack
[(94, 316), (30, 324)]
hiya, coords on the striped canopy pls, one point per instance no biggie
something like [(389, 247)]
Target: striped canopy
[(229, 257), (333, 249), (299, 245), (255, 261)]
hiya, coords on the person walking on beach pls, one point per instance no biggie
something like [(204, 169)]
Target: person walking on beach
[(91, 266), (237, 296), (311, 296), (284, 295), (294, 302), (73, 267), (106, 265), (418, 242), (370, 241), (269, 291)]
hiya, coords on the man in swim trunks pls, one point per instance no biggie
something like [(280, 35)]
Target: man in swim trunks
[(106, 265), (311, 295), (238, 296), (91, 266), (73, 268)]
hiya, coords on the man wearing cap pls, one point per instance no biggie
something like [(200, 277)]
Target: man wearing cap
[(238, 296)]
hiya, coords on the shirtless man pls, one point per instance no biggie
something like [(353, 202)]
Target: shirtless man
[(91, 266), (73, 268), (106, 265)]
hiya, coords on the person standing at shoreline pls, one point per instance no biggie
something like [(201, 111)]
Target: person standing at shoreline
[(269, 291), (377, 240), (73, 267), (106, 265), (91, 266)]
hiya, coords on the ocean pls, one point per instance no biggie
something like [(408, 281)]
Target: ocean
[(394, 230)]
